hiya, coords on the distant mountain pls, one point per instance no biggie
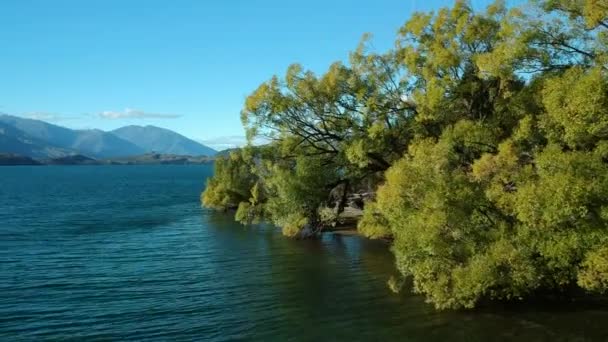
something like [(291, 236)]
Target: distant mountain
[(161, 140), (15, 159), (158, 159), (44, 141), (76, 159), (15, 141), (226, 152), (100, 144), (61, 141)]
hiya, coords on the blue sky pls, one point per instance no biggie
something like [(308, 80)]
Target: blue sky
[(186, 65)]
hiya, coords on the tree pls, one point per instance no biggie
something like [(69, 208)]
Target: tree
[(507, 195), (231, 183), (484, 134), (330, 134)]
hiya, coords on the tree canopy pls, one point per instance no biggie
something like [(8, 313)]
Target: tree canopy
[(483, 135)]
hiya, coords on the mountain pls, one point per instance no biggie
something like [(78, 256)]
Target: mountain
[(15, 141), (158, 159), (76, 159), (97, 143), (161, 140), (226, 152), (15, 159), (42, 139)]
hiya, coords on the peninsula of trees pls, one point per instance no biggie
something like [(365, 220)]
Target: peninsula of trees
[(483, 138)]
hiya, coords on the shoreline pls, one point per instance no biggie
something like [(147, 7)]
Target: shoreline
[(350, 230), (345, 232)]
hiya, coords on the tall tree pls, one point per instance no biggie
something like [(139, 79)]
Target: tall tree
[(508, 194), (485, 135)]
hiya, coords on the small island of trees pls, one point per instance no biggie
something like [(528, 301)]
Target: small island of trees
[(483, 138)]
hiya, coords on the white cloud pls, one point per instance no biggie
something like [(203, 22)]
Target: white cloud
[(230, 141), (130, 113), (49, 117)]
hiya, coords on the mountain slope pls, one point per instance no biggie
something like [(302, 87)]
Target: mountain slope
[(161, 140), (15, 141), (98, 143), (15, 159), (93, 143)]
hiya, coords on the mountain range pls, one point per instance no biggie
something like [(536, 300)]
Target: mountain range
[(41, 140)]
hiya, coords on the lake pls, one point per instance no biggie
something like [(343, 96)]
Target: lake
[(126, 252)]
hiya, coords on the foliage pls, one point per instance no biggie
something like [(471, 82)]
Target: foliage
[(594, 272), (297, 193), (483, 135), (373, 224), (231, 183)]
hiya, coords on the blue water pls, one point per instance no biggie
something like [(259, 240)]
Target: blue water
[(127, 253)]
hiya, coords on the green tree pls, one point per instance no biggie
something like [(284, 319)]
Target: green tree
[(507, 196), (232, 181), (331, 134), (483, 135)]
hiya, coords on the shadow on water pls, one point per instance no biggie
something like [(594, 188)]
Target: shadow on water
[(136, 219), (92, 227), (335, 288)]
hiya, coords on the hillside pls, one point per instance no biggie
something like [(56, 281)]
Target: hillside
[(158, 159), (15, 159), (44, 141), (161, 140), (15, 141), (42, 138)]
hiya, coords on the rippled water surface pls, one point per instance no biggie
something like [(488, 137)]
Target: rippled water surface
[(126, 252)]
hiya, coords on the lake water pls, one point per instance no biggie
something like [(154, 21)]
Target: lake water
[(126, 252)]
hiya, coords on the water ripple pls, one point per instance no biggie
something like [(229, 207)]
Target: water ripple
[(84, 259)]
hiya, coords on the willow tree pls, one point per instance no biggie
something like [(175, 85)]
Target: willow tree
[(485, 134), (330, 133), (507, 192), (232, 181)]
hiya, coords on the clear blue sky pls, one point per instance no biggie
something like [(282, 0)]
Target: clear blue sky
[(186, 65)]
